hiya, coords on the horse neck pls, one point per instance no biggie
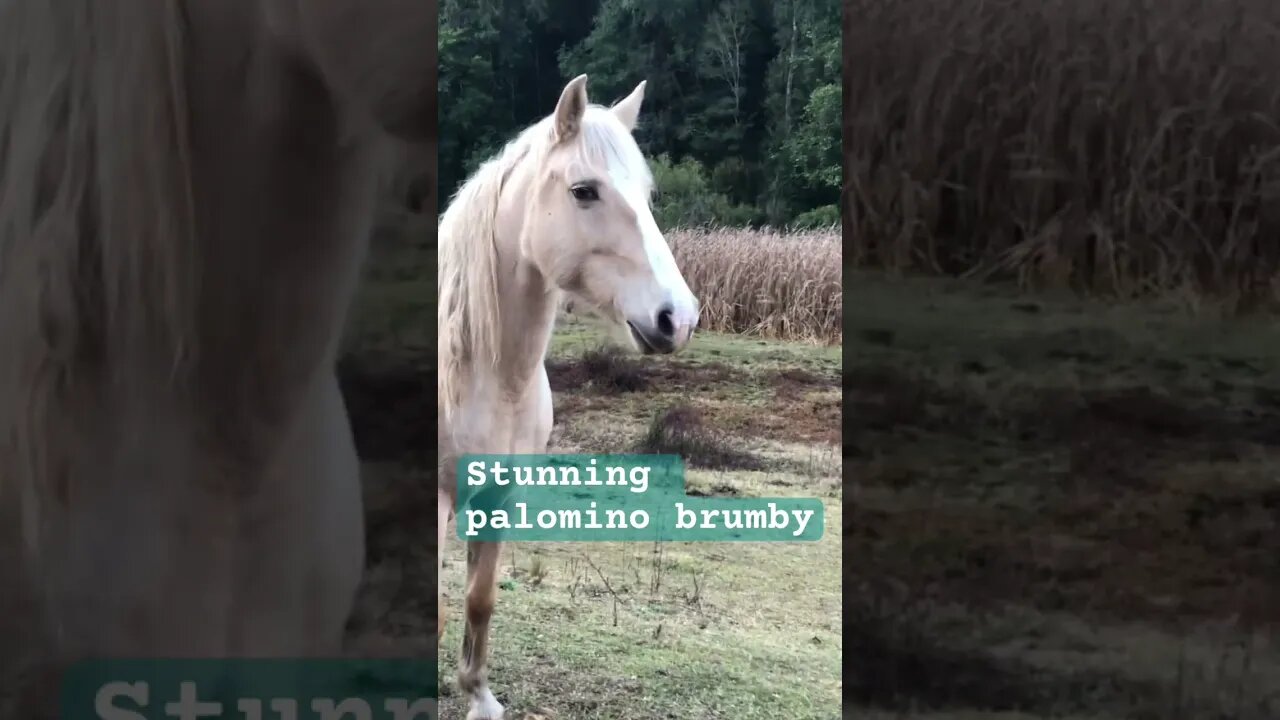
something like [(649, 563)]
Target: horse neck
[(281, 274), (527, 301)]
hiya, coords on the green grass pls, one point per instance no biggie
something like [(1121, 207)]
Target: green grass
[(708, 630), (730, 632), (575, 335)]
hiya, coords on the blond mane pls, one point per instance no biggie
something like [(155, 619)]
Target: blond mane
[(468, 329), (98, 257)]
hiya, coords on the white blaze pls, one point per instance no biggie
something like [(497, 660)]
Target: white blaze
[(635, 190)]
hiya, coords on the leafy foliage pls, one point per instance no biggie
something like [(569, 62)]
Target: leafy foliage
[(742, 112), (687, 198)]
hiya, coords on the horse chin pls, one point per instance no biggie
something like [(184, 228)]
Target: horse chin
[(607, 320)]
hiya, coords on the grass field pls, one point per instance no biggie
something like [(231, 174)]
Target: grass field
[(682, 630), (617, 631), (1060, 508)]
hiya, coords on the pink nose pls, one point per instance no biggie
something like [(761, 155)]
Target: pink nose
[(677, 324), (676, 329), (684, 334), (666, 333)]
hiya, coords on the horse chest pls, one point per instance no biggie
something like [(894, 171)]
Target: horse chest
[(496, 422)]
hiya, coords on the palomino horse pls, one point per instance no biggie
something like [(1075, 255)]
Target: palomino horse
[(187, 191), (563, 209)]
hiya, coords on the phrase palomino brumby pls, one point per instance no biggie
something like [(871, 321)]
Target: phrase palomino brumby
[(187, 191), (563, 209)]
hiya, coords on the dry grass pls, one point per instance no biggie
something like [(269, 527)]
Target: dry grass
[(766, 283), (1124, 148), (638, 631), (1065, 508)]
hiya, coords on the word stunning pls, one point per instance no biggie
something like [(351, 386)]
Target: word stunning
[(557, 475), (250, 689), (189, 706)]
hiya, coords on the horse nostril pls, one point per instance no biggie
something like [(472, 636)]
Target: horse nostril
[(665, 325)]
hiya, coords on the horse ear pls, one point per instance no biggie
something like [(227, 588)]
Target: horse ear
[(628, 109), (570, 108)]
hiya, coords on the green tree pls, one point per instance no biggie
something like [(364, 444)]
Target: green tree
[(737, 100), (812, 150), (805, 70), (684, 197)]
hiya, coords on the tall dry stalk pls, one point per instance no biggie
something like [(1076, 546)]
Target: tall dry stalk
[(763, 282), (1118, 146)]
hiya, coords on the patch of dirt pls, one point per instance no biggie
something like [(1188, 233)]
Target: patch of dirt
[(390, 409), (1123, 424), (1132, 432), (793, 383), (611, 371), (715, 490), (1138, 409), (885, 398), (694, 376), (397, 597), (877, 336), (903, 664), (606, 370), (813, 420), (1143, 551), (796, 413)]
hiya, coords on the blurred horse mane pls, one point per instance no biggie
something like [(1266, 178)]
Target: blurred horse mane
[(96, 221)]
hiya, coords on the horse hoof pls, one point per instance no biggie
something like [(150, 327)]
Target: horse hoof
[(484, 706)]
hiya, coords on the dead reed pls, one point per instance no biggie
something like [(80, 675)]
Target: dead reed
[(1126, 147), (763, 282)]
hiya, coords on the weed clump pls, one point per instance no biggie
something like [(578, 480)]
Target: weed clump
[(613, 371), (606, 369), (680, 430)]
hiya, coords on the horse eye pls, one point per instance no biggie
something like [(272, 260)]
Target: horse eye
[(584, 193)]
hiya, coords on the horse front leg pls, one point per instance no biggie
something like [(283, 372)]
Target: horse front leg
[(473, 670), (444, 511)]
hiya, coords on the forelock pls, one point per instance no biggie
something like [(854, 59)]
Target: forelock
[(606, 140)]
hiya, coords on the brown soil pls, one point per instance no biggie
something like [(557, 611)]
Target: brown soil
[(1107, 518), (390, 409), (802, 406), (602, 372), (814, 419)]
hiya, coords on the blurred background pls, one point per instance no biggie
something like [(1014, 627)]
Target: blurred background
[(1062, 386)]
